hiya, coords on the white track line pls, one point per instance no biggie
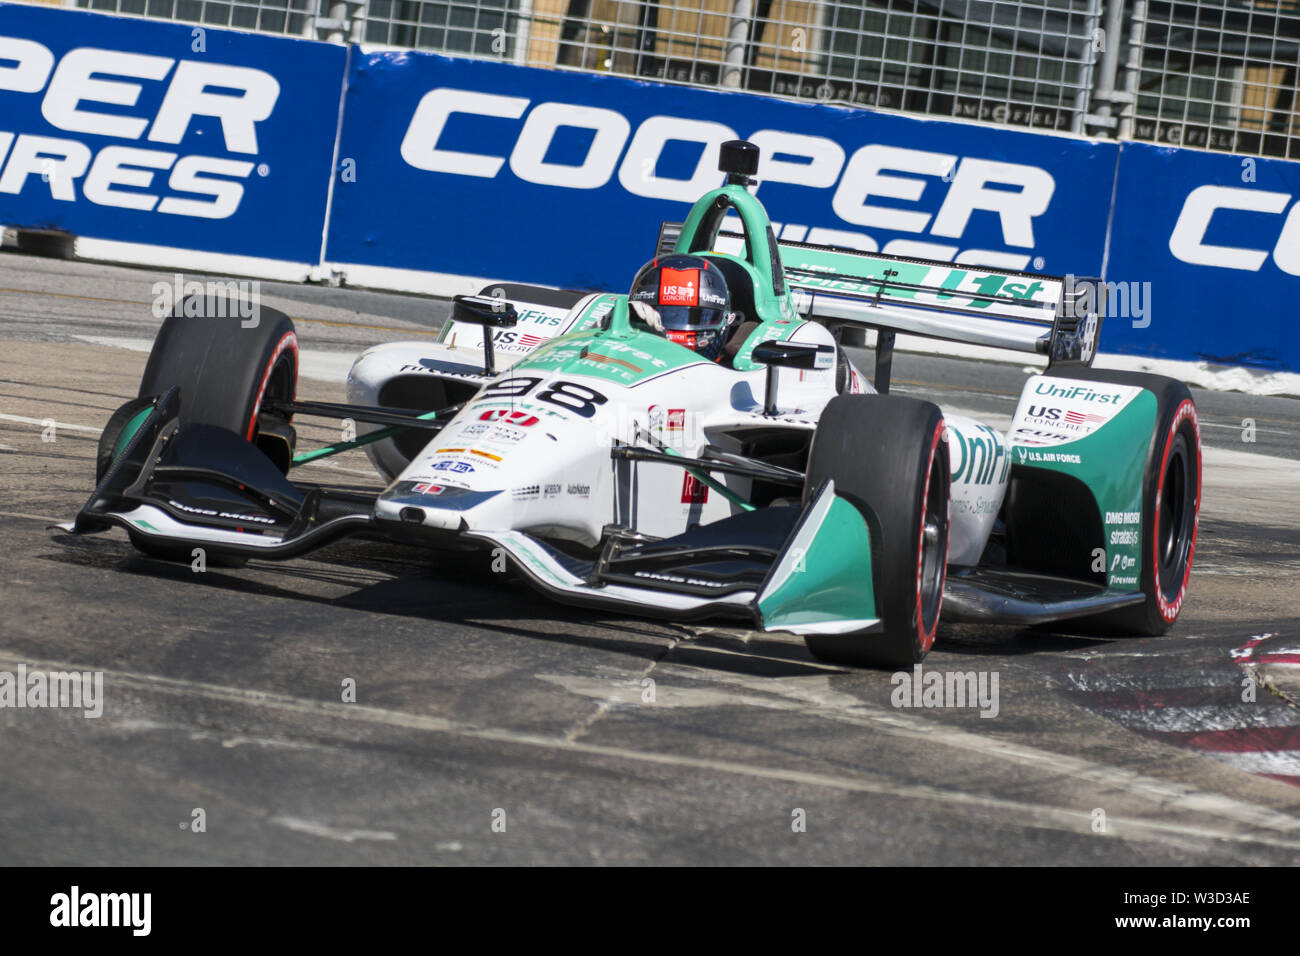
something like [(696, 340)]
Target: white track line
[(1024, 813), (1166, 720), (43, 422), (332, 833), (22, 514), (815, 691), (1286, 762), (1120, 683), (319, 365)]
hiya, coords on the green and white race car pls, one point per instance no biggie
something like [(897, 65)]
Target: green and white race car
[(778, 484)]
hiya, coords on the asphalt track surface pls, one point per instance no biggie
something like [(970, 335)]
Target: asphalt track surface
[(478, 702)]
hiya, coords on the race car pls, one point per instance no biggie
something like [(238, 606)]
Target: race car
[(701, 447)]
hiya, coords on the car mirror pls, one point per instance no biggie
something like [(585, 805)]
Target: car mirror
[(794, 355), (489, 312), (789, 355)]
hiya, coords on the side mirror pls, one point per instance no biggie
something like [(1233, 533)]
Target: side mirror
[(790, 355), (489, 312)]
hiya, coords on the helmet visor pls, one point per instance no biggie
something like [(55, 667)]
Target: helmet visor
[(682, 318)]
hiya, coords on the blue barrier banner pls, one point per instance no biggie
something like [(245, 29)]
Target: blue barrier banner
[(147, 132), (489, 169), (1214, 242)]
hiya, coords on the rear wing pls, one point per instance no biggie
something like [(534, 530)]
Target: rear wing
[(1055, 316)]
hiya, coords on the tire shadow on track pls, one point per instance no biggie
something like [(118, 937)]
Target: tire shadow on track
[(437, 592)]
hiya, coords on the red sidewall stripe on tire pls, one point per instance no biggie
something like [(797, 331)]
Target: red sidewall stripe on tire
[(927, 639), (1169, 610), (288, 342)]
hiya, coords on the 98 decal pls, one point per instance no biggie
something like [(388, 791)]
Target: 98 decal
[(571, 396)]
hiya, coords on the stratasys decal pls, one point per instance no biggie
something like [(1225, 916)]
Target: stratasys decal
[(1056, 411), (435, 366)]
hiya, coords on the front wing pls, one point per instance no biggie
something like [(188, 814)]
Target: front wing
[(176, 487)]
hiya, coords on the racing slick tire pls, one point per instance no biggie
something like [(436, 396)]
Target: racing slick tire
[(1171, 504), (226, 371), (888, 458)]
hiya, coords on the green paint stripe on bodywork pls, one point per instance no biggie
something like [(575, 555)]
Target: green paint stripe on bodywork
[(761, 260), (129, 430), (619, 353), (830, 580), (1112, 463), (713, 483), (862, 275), (341, 446), (594, 313)]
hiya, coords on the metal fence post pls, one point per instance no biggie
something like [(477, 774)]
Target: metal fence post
[(742, 13), (346, 22), (1133, 69), (1106, 94)]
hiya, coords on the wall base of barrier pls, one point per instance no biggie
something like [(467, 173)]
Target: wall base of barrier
[(1207, 375), (441, 284), (188, 260)]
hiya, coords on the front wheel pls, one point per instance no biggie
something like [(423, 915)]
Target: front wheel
[(888, 458), (230, 366), (228, 369)]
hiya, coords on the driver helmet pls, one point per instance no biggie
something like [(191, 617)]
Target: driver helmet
[(684, 298)]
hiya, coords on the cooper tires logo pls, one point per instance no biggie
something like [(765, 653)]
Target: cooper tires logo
[(132, 177)]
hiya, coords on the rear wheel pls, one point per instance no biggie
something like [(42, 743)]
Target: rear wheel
[(887, 457), (1171, 502)]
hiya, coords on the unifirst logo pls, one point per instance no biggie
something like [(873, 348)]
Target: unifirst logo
[(1079, 392), (205, 187)]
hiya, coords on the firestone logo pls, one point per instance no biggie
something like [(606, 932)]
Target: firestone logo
[(72, 93)]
